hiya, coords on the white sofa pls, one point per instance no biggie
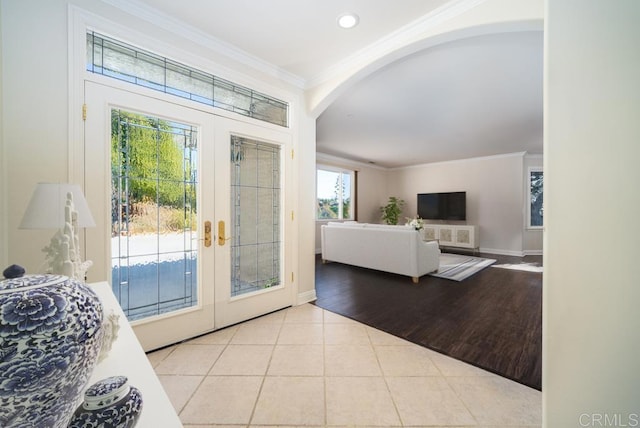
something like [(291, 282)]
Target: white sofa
[(395, 249)]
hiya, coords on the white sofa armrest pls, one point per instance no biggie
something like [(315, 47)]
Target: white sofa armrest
[(428, 256)]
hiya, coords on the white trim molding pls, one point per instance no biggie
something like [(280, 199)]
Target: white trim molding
[(323, 158), (306, 297), (505, 155), (502, 252), (532, 252)]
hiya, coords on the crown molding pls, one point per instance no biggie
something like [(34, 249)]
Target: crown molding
[(326, 159), (175, 26), (395, 40), (480, 158)]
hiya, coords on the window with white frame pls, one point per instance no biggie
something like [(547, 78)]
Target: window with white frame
[(535, 200), (335, 193)]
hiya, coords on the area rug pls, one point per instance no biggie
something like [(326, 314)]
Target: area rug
[(457, 267)]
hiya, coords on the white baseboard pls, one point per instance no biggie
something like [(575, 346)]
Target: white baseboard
[(502, 252), (306, 297), (532, 252), (511, 252)]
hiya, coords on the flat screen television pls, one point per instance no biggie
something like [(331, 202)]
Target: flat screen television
[(442, 206)]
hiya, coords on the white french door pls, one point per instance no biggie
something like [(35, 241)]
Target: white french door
[(150, 195), (254, 218), (190, 211)]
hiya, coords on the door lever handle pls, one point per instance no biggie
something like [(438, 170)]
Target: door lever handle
[(222, 237), (207, 233)]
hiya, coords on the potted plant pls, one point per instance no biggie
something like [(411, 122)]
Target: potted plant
[(392, 210)]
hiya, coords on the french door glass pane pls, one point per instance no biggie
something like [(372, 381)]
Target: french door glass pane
[(255, 215), (153, 214)]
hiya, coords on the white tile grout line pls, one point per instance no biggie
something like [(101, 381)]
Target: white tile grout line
[(207, 374), (281, 323), (266, 370), (324, 367), (384, 378)]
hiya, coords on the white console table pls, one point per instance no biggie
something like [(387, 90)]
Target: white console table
[(449, 235), (127, 358)]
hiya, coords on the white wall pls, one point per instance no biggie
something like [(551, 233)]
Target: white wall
[(495, 199), (34, 113), (306, 214), (591, 341), (3, 168)]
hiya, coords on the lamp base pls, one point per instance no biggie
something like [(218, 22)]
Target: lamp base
[(63, 251), (62, 259)]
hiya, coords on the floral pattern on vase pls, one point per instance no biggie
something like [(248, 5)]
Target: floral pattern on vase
[(111, 403), (50, 338)]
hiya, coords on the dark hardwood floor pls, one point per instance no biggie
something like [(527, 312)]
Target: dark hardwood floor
[(492, 319)]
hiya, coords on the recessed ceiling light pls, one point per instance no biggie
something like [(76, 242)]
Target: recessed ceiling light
[(348, 20)]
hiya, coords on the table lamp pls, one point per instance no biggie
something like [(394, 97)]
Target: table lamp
[(60, 206)]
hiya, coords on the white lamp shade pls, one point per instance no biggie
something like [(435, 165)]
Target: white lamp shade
[(47, 206)]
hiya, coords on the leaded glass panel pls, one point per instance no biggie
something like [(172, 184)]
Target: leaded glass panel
[(255, 217), (153, 217), (118, 60)]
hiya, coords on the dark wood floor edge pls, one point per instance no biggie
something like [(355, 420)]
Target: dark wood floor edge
[(439, 351)]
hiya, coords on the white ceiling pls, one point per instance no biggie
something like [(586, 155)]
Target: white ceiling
[(299, 36), (475, 97)]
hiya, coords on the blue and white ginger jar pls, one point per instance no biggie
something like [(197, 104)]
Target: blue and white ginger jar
[(109, 403), (50, 338)]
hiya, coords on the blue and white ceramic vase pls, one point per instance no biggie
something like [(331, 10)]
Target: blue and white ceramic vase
[(109, 403), (50, 338)]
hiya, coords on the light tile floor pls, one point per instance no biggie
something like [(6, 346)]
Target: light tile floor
[(305, 366)]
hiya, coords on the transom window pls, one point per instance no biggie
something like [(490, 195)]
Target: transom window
[(335, 193), (121, 61)]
